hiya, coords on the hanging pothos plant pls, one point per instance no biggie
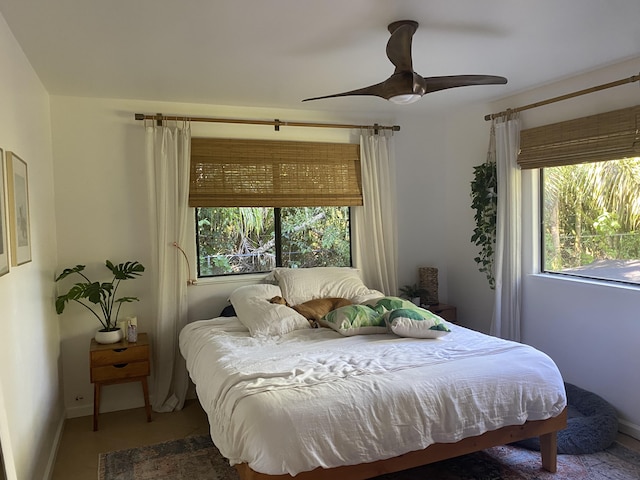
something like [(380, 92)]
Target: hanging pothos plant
[(484, 195)]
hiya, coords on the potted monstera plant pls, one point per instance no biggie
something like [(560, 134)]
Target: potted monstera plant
[(100, 297)]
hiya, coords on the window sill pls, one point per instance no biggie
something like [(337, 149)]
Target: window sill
[(231, 279), (585, 281)]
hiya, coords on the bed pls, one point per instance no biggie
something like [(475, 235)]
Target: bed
[(357, 399)]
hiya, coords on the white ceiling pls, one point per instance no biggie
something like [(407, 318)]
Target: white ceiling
[(277, 52)]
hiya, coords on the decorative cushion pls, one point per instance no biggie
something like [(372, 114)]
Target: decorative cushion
[(355, 320), (253, 309), (592, 424), (416, 322), (386, 304), (302, 284)]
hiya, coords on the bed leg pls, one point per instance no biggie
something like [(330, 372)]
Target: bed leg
[(549, 451)]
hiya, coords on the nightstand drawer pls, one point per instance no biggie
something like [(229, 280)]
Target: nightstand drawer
[(448, 312), (119, 371), (119, 355)]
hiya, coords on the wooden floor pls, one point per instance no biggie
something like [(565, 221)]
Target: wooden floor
[(79, 448), (77, 457)]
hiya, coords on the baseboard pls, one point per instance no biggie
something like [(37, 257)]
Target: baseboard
[(118, 397), (87, 410), (80, 411), (54, 450), (629, 428)]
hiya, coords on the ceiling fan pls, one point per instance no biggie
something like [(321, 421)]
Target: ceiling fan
[(405, 85)]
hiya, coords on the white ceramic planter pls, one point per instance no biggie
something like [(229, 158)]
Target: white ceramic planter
[(112, 336)]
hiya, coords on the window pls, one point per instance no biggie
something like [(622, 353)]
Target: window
[(261, 204), (591, 220), (251, 240), (590, 194)]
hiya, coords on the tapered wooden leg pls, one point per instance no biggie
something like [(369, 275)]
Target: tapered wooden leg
[(96, 405), (549, 451), (145, 391)]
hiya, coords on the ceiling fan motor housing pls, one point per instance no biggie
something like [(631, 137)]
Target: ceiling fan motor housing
[(405, 83)]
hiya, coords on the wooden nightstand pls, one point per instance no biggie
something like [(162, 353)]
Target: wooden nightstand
[(119, 363), (448, 312)]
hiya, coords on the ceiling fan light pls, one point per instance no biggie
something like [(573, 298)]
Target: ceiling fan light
[(405, 99)]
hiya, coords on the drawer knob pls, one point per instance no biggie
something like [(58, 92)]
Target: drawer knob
[(120, 365)]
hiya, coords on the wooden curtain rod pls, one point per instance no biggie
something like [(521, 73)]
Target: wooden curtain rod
[(597, 88), (276, 123)]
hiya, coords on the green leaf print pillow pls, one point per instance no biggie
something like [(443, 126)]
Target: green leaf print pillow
[(386, 304), (355, 320), (416, 322)]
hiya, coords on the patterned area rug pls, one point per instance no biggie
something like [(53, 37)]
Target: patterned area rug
[(196, 458)]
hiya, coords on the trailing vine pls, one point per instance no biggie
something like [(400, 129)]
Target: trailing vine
[(484, 195)]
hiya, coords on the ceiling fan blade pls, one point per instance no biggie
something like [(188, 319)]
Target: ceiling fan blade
[(376, 90), (399, 45), (441, 83)]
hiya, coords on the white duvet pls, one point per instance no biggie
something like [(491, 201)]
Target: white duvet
[(313, 398)]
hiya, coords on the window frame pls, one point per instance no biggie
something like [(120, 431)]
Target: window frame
[(278, 244), (542, 250), (607, 136)]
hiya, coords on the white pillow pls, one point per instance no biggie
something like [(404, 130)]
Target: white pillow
[(261, 317), (368, 298), (302, 284), (416, 322)]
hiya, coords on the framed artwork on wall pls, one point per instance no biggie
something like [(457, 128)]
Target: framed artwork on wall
[(18, 188), (4, 239)]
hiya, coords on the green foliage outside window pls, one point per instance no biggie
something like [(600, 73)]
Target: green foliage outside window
[(315, 237), (244, 240), (591, 212)]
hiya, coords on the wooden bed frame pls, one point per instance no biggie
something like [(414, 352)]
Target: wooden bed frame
[(545, 429)]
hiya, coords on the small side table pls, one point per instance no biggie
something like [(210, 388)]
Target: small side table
[(119, 363), (448, 312)]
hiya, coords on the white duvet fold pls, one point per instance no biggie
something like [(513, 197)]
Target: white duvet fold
[(314, 398)]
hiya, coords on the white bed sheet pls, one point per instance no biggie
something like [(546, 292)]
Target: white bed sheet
[(313, 398)]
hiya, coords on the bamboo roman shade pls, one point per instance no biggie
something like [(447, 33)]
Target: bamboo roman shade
[(606, 136), (265, 173)]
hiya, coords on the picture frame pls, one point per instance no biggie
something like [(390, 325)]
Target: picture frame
[(19, 220), (4, 239)]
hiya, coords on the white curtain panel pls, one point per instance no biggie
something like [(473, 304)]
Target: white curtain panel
[(168, 151), (507, 263), (376, 239)]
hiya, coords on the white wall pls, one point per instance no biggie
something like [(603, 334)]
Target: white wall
[(467, 141), (436, 156), (421, 175), (101, 212), (591, 330), (31, 410)]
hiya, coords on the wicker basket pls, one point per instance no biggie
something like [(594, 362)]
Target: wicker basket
[(429, 281)]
